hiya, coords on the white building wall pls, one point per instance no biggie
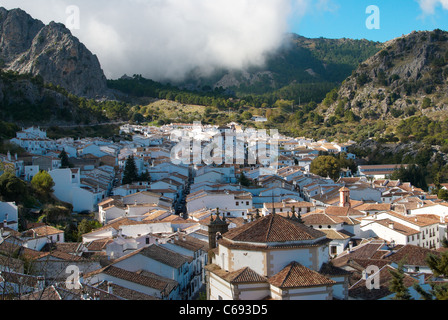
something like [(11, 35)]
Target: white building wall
[(252, 259), (253, 292), (10, 210), (315, 293), (377, 230), (220, 289), (282, 258), (111, 214), (142, 229), (139, 262)]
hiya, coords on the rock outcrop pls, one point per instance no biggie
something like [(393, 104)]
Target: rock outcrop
[(28, 46), (409, 76)]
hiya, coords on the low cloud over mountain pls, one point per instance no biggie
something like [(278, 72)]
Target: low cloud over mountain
[(167, 39)]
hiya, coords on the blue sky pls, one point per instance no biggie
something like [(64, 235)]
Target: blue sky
[(347, 18)]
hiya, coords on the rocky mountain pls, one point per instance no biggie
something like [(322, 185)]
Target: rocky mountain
[(409, 76), (28, 46)]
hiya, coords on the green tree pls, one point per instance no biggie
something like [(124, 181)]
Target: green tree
[(443, 194), (55, 213), (130, 173), (439, 267), (86, 226), (243, 180), (397, 285), (246, 115), (326, 166), (64, 160), (12, 188), (145, 176), (43, 183)]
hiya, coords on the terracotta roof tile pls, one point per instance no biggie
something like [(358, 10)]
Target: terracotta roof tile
[(296, 276), (245, 275), (273, 228)]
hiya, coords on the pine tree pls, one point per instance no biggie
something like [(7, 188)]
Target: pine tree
[(130, 173), (397, 284), (439, 267), (64, 160), (244, 181)]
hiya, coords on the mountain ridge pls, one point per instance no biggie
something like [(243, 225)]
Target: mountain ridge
[(407, 77), (28, 46)]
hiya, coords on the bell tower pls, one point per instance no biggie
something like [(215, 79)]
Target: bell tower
[(216, 227), (344, 196)]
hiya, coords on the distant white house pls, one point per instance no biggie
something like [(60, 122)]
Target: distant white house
[(259, 119), (230, 203), (9, 216), (68, 188), (416, 230)]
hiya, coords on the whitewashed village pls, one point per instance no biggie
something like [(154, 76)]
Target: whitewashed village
[(269, 230)]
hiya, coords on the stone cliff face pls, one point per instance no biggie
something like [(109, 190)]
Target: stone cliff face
[(408, 77), (50, 51)]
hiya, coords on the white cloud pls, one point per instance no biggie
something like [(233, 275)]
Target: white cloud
[(429, 6), (166, 39)]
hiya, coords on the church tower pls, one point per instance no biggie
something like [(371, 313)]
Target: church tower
[(216, 227), (344, 196)]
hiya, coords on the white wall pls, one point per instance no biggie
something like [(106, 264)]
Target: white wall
[(10, 209)]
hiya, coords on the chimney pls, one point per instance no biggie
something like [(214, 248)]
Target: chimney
[(110, 290), (391, 225), (40, 283), (350, 246)]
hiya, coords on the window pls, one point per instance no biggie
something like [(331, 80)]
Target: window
[(334, 250), (237, 203), (247, 203)]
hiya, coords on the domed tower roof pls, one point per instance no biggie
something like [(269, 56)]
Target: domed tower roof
[(274, 229)]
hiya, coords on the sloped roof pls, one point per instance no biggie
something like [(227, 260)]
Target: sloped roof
[(412, 255), (146, 279), (360, 290), (273, 228), (165, 256), (343, 211), (297, 276), (245, 275)]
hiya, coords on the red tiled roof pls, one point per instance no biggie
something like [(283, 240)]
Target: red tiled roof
[(296, 276), (273, 228)]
